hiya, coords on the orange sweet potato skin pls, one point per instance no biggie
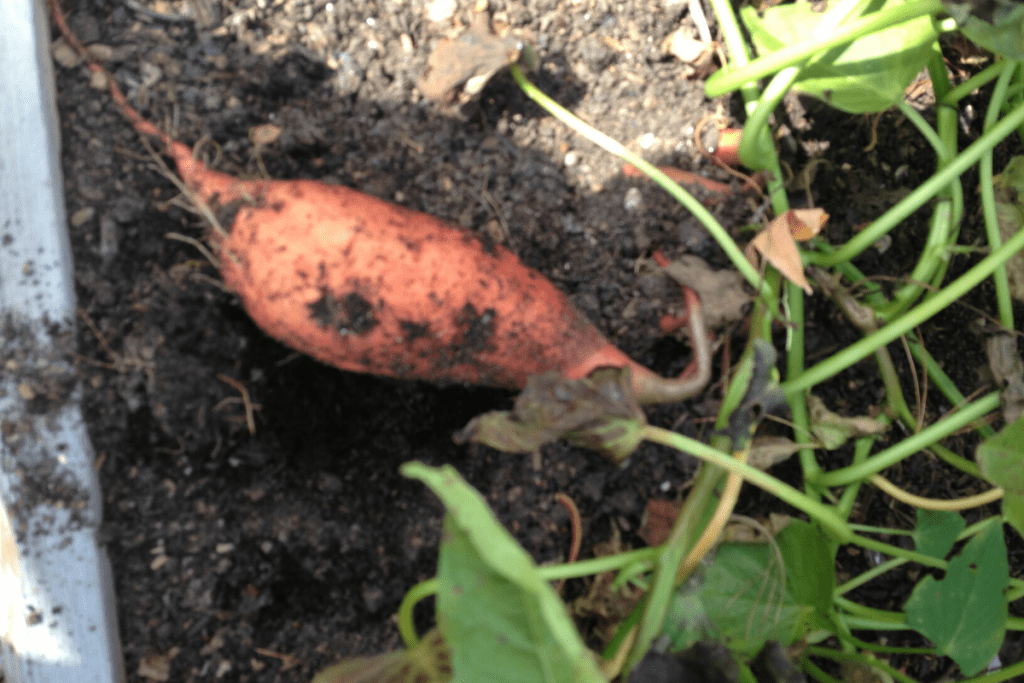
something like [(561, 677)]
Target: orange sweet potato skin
[(368, 286)]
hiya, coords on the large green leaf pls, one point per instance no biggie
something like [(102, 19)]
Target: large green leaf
[(502, 621), (1001, 459), (742, 602), (867, 75), (936, 531), (964, 614)]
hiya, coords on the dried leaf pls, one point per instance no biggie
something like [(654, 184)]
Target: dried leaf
[(777, 242), (659, 517), (723, 293), (1008, 371), (834, 430), (468, 61), (766, 451), (599, 412), (806, 223)]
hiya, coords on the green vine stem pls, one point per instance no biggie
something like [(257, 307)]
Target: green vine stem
[(729, 79), (911, 319), (978, 80), (988, 200), (823, 514), (936, 374), (910, 445), (923, 193), (868, 576), (557, 572), (725, 241)]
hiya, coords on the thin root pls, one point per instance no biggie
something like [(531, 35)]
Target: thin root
[(576, 524), (195, 243), (201, 206), (250, 419)]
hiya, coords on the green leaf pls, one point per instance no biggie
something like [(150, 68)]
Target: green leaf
[(810, 565), (502, 621), (742, 602), (998, 28), (964, 614), (936, 531), (1001, 459), (867, 75)]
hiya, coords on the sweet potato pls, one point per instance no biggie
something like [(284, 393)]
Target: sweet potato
[(368, 286)]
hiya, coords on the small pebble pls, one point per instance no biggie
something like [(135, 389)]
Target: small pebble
[(100, 53), (98, 81), (82, 216), (64, 55), (572, 158), (634, 201), (108, 239), (349, 76), (647, 141), (441, 10)]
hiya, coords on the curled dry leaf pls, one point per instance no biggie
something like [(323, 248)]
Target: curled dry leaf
[(1008, 371), (723, 293), (468, 61), (766, 451), (834, 430), (599, 412), (777, 242)]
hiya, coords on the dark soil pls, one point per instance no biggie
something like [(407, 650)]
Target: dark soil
[(266, 556)]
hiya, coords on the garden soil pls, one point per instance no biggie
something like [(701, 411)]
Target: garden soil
[(258, 527)]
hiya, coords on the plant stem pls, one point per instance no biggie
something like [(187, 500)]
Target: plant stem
[(867, 576), (731, 78), (861, 451), (570, 570), (978, 80), (923, 193), (406, 628), (823, 514), (698, 211), (909, 320), (955, 505), (894, 551), (794, 366), (911, 445), (816, 672), (1004, 674), (944, 384), (988, 202)]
